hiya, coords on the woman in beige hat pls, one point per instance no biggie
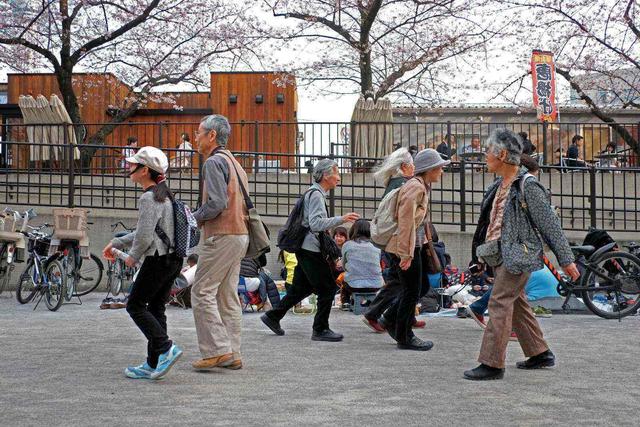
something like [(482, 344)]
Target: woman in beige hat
[(404, 248)]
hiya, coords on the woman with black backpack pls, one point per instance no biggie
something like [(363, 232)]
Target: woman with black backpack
[(313, 273), (160, 264)]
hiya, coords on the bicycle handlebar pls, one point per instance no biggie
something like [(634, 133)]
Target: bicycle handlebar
[(120, 223)]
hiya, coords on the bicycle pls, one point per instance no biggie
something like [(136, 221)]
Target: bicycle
[(43, 274), (12, 242), (82, 271), (609, 283), (119, 276)]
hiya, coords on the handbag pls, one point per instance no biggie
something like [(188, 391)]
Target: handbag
[(490, 253), (432, 262), (259, 237), (328, 247)]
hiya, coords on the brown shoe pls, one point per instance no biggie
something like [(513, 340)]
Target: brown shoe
[(212, 362), (234, 365)]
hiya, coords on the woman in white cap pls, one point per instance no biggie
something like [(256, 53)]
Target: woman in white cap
[(159, 263), (405, 245)]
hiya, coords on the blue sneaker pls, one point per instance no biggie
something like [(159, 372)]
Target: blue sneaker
[(142, 372), (166, 361)]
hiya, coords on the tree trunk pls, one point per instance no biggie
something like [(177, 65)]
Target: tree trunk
[(366, 74)]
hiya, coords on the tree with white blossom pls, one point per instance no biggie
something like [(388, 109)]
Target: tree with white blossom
[(145, 43), (408, 49)]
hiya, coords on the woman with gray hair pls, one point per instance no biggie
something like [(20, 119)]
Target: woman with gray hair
[(506, 239), (313, 273), (395, 170)]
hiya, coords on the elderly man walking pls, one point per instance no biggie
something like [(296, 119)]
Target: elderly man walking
[(223, 218), (313, 273)]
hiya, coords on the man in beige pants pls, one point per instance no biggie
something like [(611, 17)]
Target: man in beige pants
[(223, 218)]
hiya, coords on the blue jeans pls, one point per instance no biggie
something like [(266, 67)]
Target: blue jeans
[(480, 306)]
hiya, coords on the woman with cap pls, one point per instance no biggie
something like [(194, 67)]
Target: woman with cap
[(507, 240), (159, 263), (405, 246)]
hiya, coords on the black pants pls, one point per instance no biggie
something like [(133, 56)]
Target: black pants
[(147, 300), (392, 290), (401, 313), (312, 275)]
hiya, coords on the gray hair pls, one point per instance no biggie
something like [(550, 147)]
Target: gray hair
[(220, 124), (391, 165), (323, 168), (505, 139)]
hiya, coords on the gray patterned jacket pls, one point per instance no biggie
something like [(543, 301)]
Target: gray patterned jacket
[(521, 246)]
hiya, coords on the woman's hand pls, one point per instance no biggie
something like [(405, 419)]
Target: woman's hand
[(572, 271), (405, 264), (107, 254), (130, 261), (351, 217)]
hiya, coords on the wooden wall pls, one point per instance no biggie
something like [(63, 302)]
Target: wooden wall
[(272, 138), (99, 92)]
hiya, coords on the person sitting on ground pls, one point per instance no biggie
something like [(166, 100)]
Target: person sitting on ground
[(361, 262), (257, 279), (340, 236), (192, 261)]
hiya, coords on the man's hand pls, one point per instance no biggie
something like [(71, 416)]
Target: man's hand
[(107, 254), (572, 271), (130, 261), (351, 217), (405, 264)]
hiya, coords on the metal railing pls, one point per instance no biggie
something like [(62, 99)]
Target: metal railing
[(46, 174)]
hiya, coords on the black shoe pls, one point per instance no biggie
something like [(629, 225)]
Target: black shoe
[(391, 329), (542, 360), (484, 373), (274, 325), (417, 344), (326, 335)]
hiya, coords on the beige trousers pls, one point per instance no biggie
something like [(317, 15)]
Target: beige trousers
[(508, 308), (214, 296)]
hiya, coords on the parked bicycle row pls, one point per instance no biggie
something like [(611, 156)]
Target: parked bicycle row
[(59, 266)]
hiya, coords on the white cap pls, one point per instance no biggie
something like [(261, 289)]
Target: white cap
[(151, 157)]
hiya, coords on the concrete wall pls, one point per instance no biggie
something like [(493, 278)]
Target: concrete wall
[(458, 243)]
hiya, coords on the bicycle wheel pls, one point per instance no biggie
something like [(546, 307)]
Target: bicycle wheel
[(89, 276), (117, 277), (623, 270), (26, 286), (54, 293), (67, 275), (5, 268)]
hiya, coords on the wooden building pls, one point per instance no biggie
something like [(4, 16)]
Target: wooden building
[(261, 107)]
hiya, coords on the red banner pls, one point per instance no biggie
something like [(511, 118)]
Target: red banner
[(543, 72)]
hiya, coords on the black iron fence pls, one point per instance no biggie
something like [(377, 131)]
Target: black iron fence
[(54, 173)]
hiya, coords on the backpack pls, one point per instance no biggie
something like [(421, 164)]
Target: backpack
[(186, 233), (291, 236), (385, 221)]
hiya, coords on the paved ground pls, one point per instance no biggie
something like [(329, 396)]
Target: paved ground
[(65, 368)]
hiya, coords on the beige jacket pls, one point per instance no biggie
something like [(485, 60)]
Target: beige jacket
[(413, 202)]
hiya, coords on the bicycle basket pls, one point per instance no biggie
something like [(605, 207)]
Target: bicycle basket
[(41, 246), (70, 223)]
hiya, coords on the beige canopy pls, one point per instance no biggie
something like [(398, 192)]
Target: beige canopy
[(372, 128), (40, 117)]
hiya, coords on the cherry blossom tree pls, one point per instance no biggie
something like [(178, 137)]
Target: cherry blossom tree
[(596, 45), (408, 49), (145, 43)]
